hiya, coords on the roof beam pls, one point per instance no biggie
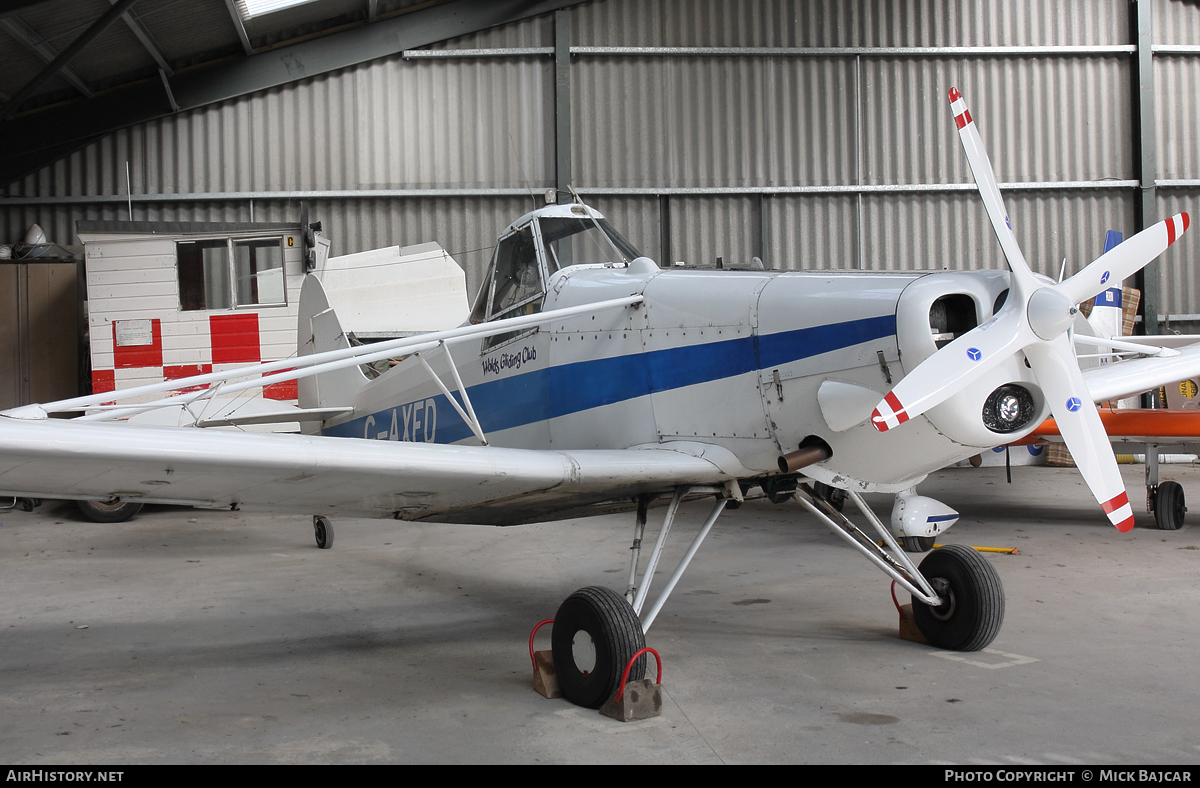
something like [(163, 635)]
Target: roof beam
[(38, 138), (60, 62), (241, 28), (10, 7), (25, 34), (372, 10), (138, 29)]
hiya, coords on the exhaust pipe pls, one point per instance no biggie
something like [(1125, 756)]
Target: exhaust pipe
[(811, 451)]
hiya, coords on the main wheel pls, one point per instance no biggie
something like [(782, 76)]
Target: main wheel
[(1169, 506), (115, 511), (323, 530), (916, 544), (595, 634), (972, 610)]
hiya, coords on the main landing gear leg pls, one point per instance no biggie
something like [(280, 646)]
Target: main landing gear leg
[(958, 600), (597, 631)]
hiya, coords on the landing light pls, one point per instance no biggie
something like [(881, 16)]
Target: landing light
[(1008, 409)]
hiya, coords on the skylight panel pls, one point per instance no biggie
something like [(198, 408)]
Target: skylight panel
[(248, 9)]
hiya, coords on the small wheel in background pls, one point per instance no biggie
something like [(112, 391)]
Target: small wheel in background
[(916, 544), (323, 530), (1169, 506), (114, 511)]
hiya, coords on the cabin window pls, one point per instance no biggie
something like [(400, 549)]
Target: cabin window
[(518, 282), (571, 241), (228, 273), (514, 286)]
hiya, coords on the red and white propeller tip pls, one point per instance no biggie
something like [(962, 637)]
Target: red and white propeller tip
[(1119, 512), (962, 115), (1176, 226), (890, 413)]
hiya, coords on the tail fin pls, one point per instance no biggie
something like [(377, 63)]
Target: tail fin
[(1106, 316), (319, 330)]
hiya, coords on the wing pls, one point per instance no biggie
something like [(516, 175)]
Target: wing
[(321, 475), (1134, 376)]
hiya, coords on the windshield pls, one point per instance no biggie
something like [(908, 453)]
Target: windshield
[(571, 241)]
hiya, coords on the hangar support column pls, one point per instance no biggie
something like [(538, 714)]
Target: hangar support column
[(1147, 164), (562, 98)]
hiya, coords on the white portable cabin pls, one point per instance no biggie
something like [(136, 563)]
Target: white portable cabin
[(167, 300)]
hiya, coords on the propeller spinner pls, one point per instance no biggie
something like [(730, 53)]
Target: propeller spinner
[(1034, 321)]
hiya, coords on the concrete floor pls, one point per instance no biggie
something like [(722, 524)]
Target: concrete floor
[(217, 637)]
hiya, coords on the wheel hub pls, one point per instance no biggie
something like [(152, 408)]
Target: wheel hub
[(583, 650), (944, 611)]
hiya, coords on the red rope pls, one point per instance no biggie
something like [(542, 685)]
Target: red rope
[(895, 602), (531, 634), (633, 659)]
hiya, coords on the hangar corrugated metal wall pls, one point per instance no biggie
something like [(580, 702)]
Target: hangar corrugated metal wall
[(815, 134)]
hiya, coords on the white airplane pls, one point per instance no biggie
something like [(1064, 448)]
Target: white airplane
[(588, 380)]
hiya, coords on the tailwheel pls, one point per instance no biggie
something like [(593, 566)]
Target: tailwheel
[(972, 608), (1169, 506), (323, 531), (595, 634)]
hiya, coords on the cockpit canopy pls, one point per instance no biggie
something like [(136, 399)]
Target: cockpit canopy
[(537, 245)]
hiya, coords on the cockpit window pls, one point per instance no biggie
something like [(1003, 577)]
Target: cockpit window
[(518, 275), (571, 241)]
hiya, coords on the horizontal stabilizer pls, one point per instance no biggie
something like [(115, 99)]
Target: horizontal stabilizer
[(275, 417)]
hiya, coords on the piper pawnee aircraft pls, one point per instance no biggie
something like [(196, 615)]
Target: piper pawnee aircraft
[(588, 380)]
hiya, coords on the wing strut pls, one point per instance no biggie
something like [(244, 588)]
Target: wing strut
[(304, 366), (469, 414)]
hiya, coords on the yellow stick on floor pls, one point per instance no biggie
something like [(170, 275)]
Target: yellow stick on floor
[(1008, 550)]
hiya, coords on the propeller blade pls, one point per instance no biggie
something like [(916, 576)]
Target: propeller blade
[(1058, 374), (953, 368), (1124, 260), (985, 178)]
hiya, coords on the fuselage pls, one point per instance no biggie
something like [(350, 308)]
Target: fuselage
[(730, 358)]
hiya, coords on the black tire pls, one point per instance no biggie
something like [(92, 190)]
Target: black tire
[(116, 511), (916, 544), (323, 531), (595, 634), (973, 610), (1169, 507)]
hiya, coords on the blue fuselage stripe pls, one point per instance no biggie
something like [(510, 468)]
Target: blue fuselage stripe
[(561, 390)]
